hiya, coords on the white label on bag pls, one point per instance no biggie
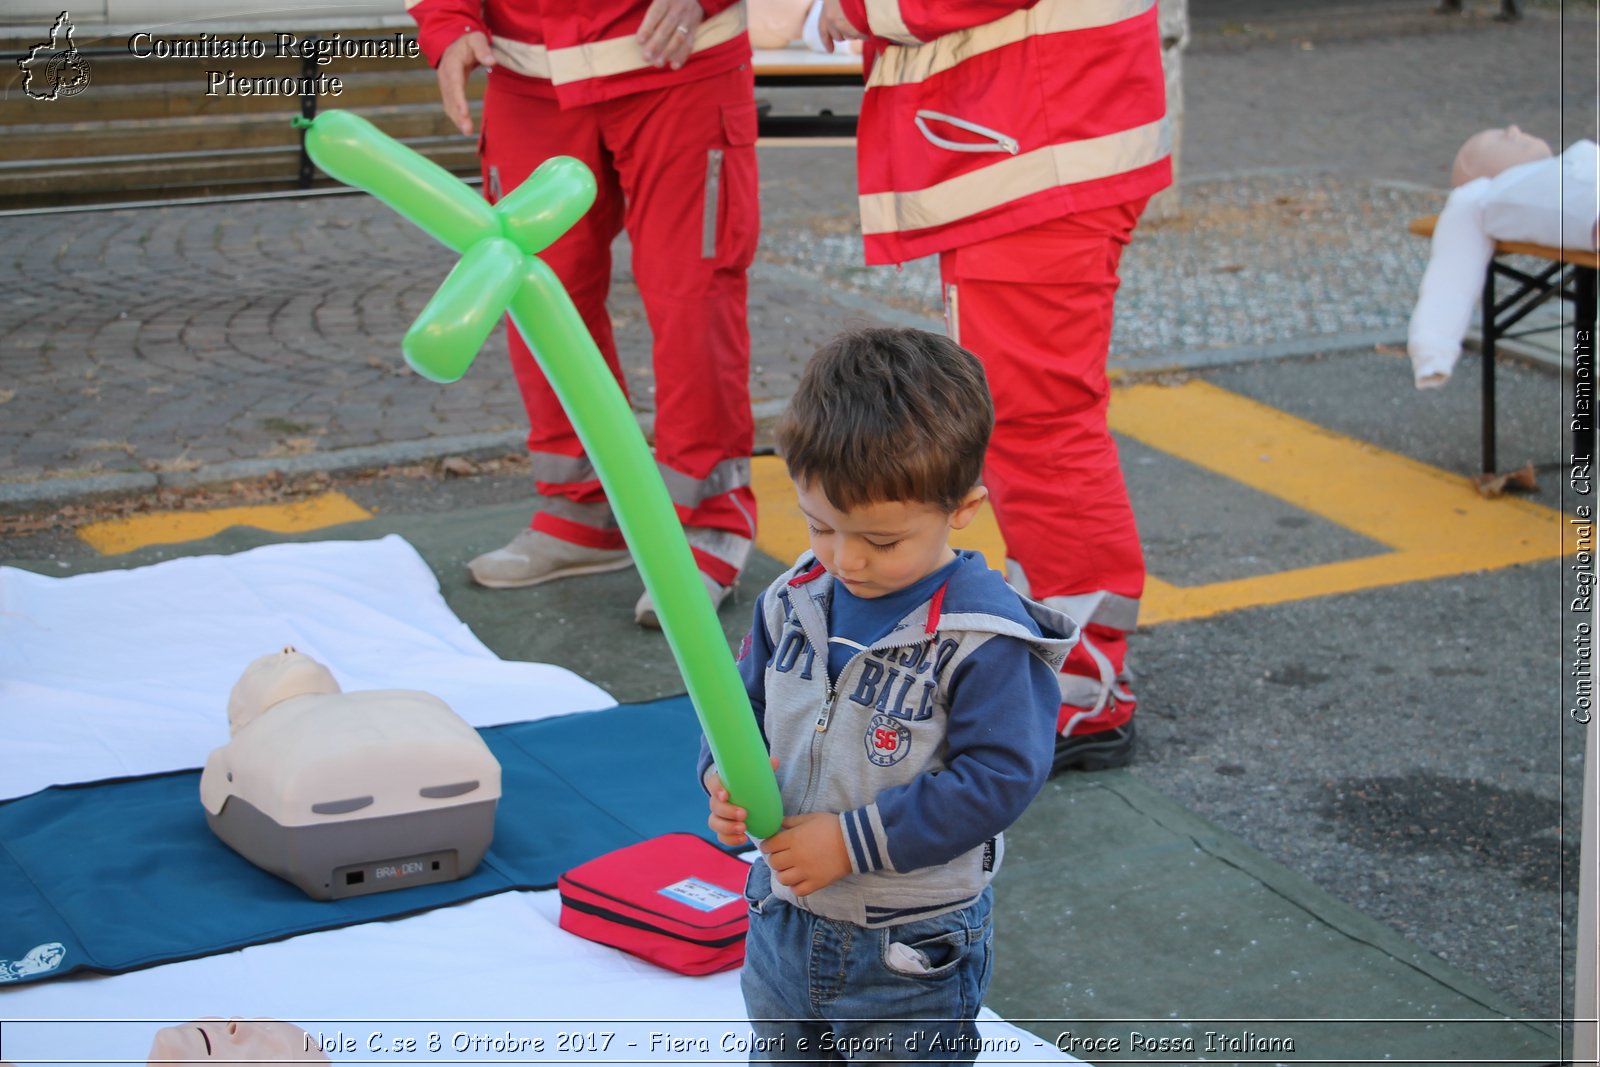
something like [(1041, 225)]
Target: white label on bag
[(698, 894)]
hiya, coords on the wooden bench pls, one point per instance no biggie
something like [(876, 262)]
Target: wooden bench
[(146, 130), (1567, 273), (801, 68)]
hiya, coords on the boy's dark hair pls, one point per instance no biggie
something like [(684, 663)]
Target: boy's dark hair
[(886, 415)]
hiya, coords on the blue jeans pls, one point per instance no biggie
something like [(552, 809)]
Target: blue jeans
[(822, 991)]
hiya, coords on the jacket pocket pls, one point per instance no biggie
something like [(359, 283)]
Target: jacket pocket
[(731, 216), (739, 123)]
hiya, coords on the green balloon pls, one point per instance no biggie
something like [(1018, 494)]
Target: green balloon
[(544, 207), (499, 271), (447, 335), (613, 442), (353, 150)]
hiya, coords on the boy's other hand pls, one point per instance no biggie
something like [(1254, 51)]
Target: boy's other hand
[(727, 818), (809, 853)]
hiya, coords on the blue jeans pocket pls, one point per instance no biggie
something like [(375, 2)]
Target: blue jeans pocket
[(935, 948), (758, 888)]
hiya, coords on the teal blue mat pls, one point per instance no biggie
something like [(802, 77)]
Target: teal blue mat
[(125, 874)]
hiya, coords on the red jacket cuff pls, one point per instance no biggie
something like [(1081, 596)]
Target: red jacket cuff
[(441, 23), (856, 12)]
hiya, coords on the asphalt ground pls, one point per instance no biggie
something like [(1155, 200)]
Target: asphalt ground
[(1404, 744)]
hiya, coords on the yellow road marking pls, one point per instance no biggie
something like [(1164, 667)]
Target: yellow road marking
[(116, 536), (1434, 522)]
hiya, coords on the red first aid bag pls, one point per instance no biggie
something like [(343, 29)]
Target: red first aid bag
[(676, 900)]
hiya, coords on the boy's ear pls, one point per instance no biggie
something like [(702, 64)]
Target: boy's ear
[(967, 510)]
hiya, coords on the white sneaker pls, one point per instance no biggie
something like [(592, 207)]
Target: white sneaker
[(644, 612), (533, 557)]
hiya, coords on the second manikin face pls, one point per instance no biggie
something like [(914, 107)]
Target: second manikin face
[(1490, 152)]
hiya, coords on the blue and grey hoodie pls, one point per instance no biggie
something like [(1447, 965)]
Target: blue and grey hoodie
[(928, 744)]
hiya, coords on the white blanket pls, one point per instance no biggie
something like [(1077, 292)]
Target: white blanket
[(127, 672)]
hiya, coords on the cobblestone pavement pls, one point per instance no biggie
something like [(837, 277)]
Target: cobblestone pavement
[(169, 341), (1253, 261)]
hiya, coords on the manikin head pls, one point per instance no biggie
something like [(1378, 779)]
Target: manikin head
[(1489, 152), (774, 23), (237, 1040), (780, 23), (273, 679)]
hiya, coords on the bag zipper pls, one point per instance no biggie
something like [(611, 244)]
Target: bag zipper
[(638, 924)]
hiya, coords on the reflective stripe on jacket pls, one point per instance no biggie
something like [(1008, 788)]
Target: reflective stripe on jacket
[(984, 118), (579, 51)]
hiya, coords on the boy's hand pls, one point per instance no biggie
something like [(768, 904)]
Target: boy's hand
[(808, 854), (727, 818)]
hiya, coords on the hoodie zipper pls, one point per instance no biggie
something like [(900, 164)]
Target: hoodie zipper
[(823, 716), (830, 696)]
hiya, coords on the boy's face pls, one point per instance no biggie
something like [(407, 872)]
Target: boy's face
[(882, 547)]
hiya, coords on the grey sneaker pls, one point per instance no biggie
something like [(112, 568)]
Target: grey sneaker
[(534, 557), (644, 612)]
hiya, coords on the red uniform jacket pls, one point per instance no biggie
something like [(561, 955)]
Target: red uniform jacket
[(986, 117)]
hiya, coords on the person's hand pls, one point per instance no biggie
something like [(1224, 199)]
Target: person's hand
[(727, 818), (666, 37), (459, 60), (808, 854), (834, 27)]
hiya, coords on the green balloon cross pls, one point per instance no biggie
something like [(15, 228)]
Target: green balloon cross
[(499, 272)]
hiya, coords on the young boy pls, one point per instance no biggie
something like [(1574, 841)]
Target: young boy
[(908, 697)]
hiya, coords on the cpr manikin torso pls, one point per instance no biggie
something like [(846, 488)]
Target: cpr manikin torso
[(1508, 188), (345, 794)]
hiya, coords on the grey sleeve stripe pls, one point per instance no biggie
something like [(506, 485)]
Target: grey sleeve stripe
[(864, 850), (877, 836)]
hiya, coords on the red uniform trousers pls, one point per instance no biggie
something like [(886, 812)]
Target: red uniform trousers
[(676, 168), (1036, 307)]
